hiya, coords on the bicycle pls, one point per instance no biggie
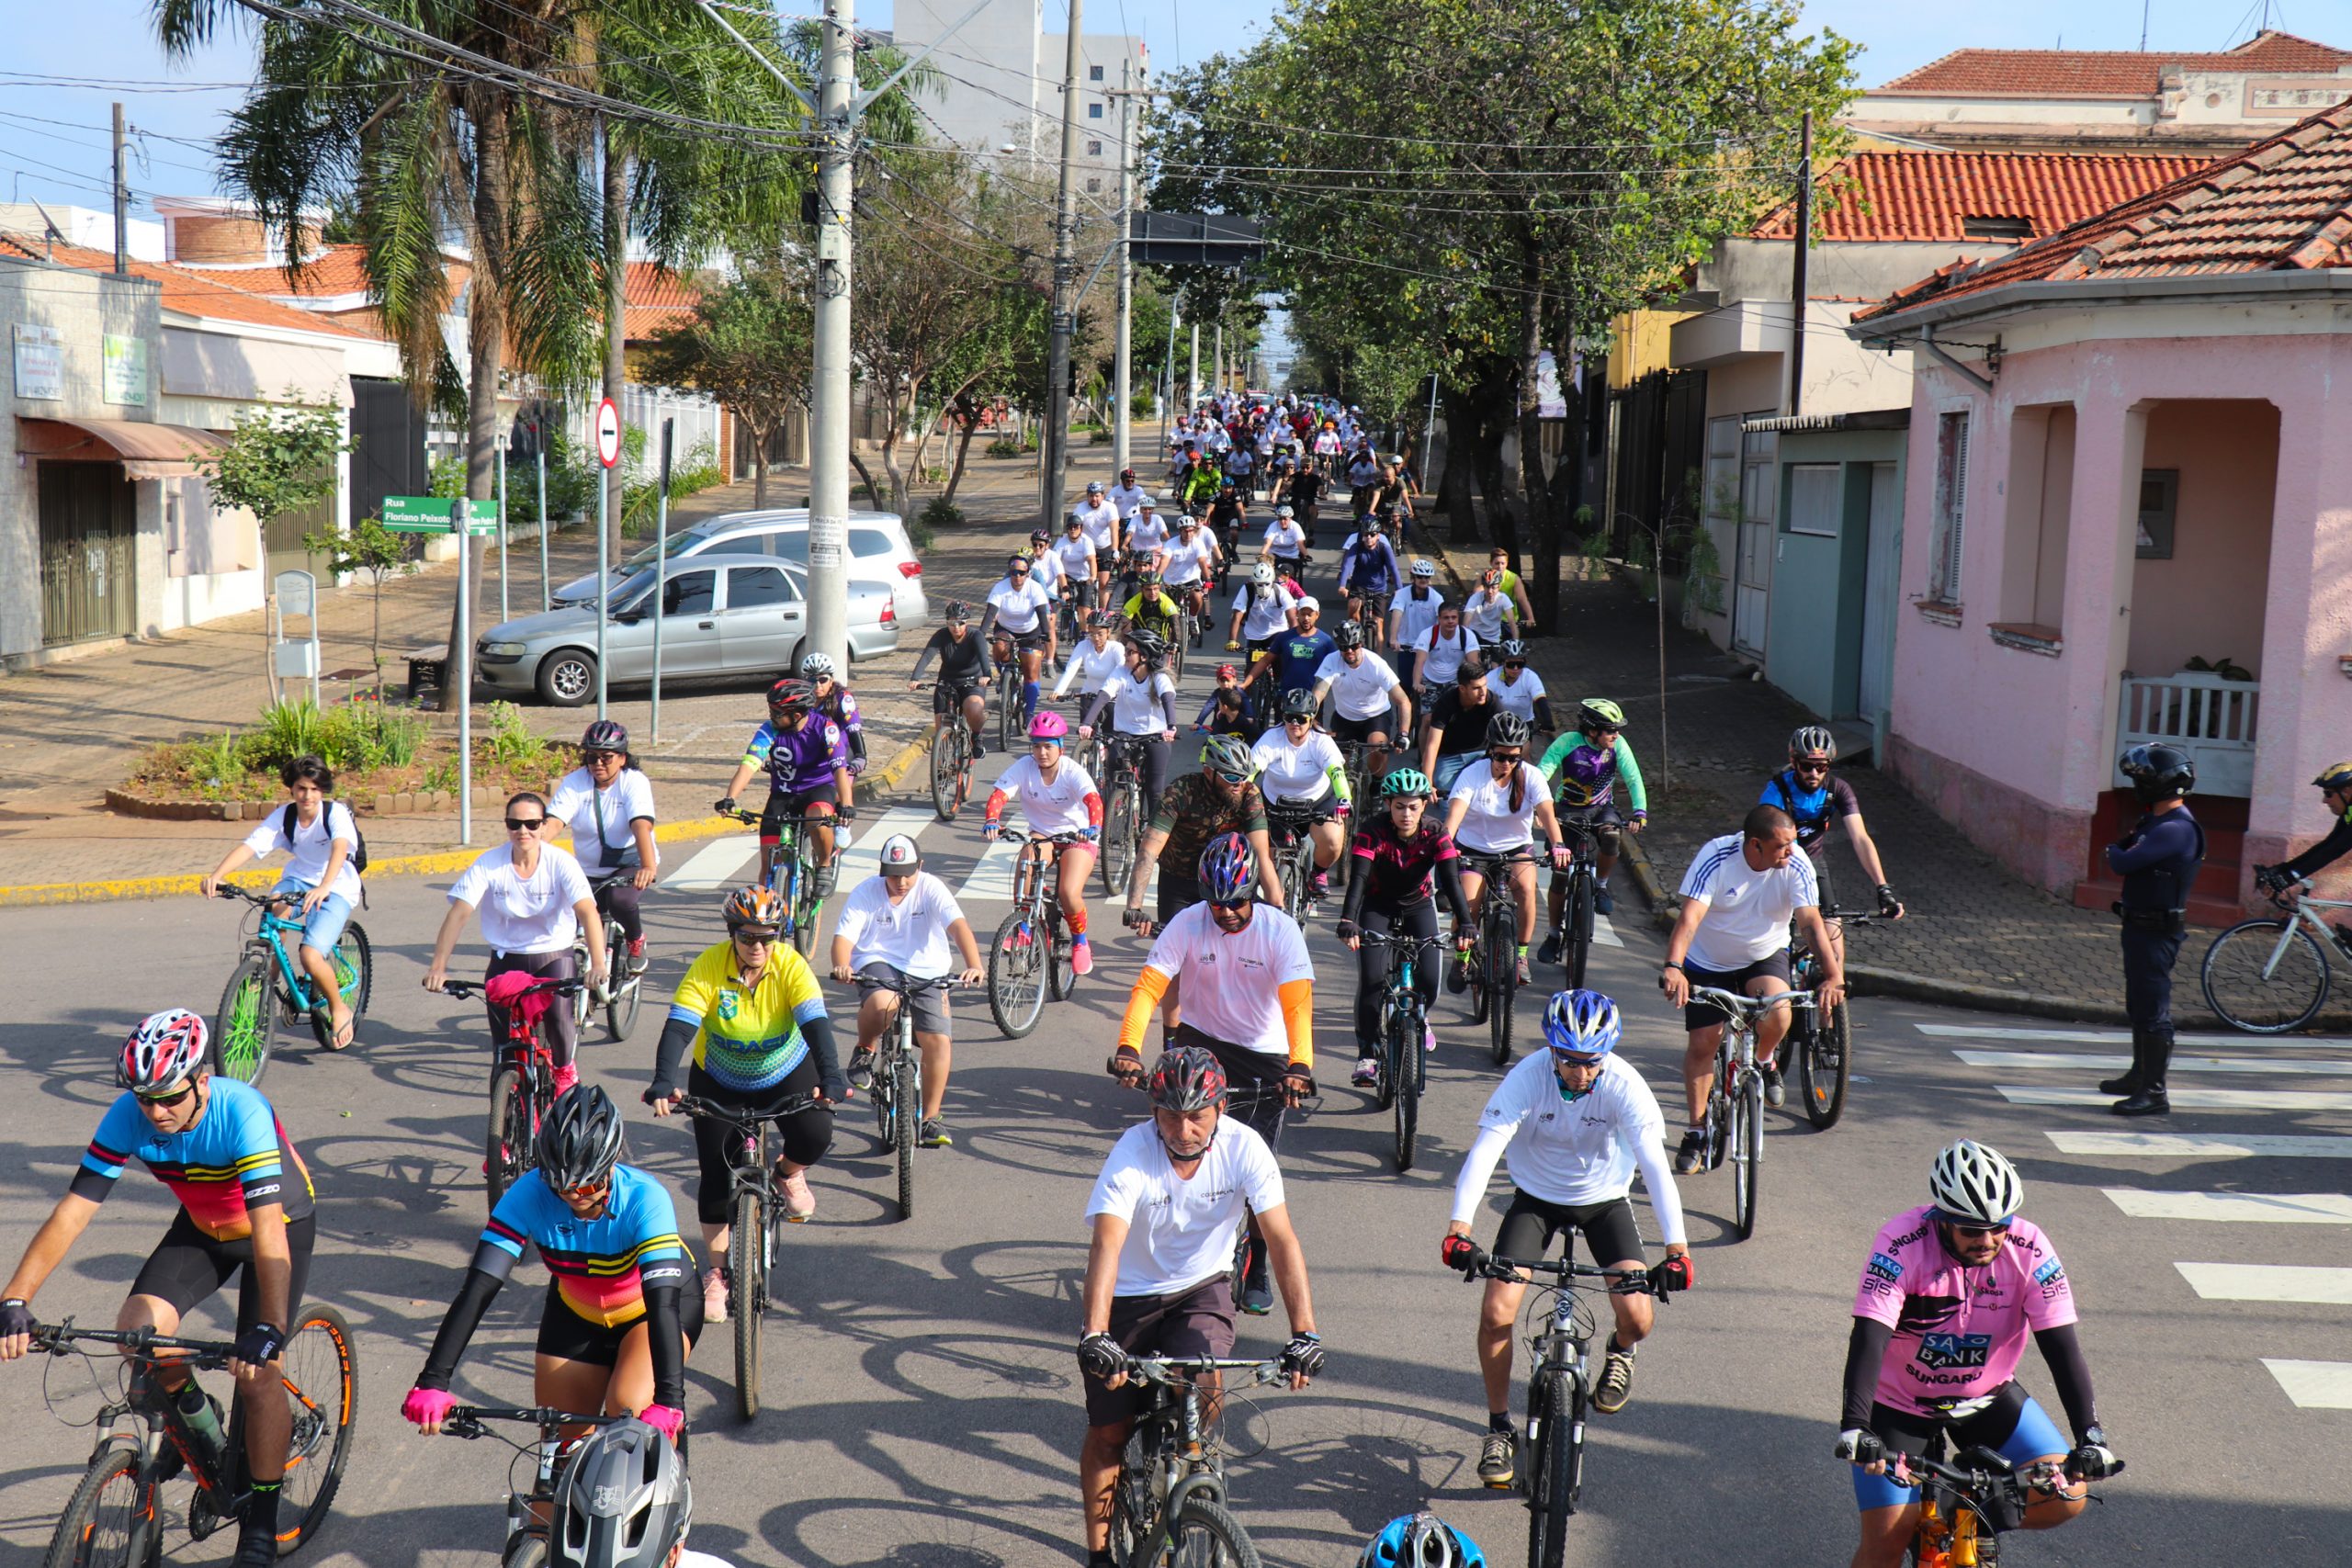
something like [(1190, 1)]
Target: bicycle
[(1822, 1046), (752, 1242), (1559, 1385), (528, 1512), (1584, 889), (1494, 957), (898, 1081), (269, 990), (1371, 615), (1290, 823), (1404, 1057), (789, 868), (522, 1087), (115, 1516), (1735, 1103), (1168, 1505), (1008, 683), (1355, 754), (621, 987), (1965, 1508), (2270, 975), (1029, 960), (950, 754), (1123, 814)]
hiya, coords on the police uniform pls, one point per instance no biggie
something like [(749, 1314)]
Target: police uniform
[(2158, 860)]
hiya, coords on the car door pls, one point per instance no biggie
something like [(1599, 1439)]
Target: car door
[(690, 638), (763, 621)]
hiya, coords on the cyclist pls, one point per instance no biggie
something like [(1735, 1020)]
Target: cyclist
[(1488, 612), (751, 1011), (1075, 556), (534, 902), (607, 804), (1952, 1287), (964, 674), (1455, 732), (899, 921), (1584, 767), (1420, 1540), (1329, 449), (2334, 787), (1199, 485), (1126, 498), (1095, 661), (1281, 467), (1141, 700), (1412, 613), (1370, 577), (1241, 467), (1222, 797), (1493, 811), (1191, 557), (1517, 687), (1576, 1121), (834, 702), (1262, 611), (1368, 703), (1439, 652), (1509, 585), (807, 760), (1304, 495), (621, 1314), (1021, 613), (245, 1208), (1363, 477), (1390, 493), (1148, 538), (320, 838), (1299, 764), (1400, 861), (1294, 655), (1228, 517), (1739, 896), (1165, 1213), (624, 1502), (1251, 1008), (1818, 804), (1285, 542), (1152, 610), (1057, 797), (1046, 567)]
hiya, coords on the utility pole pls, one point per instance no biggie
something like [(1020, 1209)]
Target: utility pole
[(828, 392), (1193, 382), (1053, 447), (1217, 356), (1168, 403), (123, 204), (1122, 377), (1796, 270)]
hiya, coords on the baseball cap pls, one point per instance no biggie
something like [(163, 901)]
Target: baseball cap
[(1310, 602), (900, 856)]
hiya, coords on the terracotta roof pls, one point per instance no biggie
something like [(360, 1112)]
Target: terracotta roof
[(334, 270), (2093, 74), (2282, 205), (196, 293), (651, 284), (1932, 195)]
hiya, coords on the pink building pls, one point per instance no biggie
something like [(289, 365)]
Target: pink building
[(2129, 517)]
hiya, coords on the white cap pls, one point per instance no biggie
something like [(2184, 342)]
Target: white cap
[(1310, 602), (900, 856)]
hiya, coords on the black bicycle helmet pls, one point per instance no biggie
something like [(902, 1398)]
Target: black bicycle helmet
[(1298, 704), (1507, 728), (1101, 620), (1187, 1079), (1348, 633), (624, 1501), (581, 1139), (789, 698), (1151, 645), (956, 613), (605, 735), (2158, 772)]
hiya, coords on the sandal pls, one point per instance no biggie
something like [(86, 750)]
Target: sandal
[(340, 1037)]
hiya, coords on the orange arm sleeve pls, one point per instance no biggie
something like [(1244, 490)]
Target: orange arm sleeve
[(1150, 986), (995, 807), (1298, 1016)]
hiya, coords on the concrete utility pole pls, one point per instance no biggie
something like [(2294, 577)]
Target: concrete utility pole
[(1055, 448), (1193, 382), (1124, 380), (1796, 271), (829, 393), (123, 204)]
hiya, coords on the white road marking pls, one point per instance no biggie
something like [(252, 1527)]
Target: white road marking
[(2187, 1099), (992, 874), (2268, 1283), (863, 856), (718, 863), (2088, 1063), (2200, 1145), (2114, 1037), (1604, 934), (2268, 1208), (2314, 1385)]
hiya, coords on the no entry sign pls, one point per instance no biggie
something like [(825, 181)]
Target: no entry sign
[(608, 434)]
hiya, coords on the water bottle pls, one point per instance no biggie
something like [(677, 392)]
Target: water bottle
[(200, 1419)]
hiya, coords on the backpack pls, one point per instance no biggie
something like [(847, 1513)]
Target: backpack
[(358, 840)]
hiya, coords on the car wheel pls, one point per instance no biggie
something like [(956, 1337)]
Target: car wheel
[(568, 677)]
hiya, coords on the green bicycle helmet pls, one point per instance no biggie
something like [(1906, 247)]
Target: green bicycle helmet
[(1600, 713), (1404, 782)]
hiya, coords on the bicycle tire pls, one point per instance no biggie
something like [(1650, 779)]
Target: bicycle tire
[(947, 767), (744, 1250), (327, 1410), (1017, 980), (1383, 1092), (1404, 1053), (1551, 1482), (2236, 989), (82, 1539), (526, 1551), (1747, 1160), (1825, 1063), (1576, 948), (1501, 980), (906, 1088), (1061, 976), (1205, 1534), (627, 990), (507, 1139), (1178, 645), (243, 1029), (1118, 857), (886, 1115), (354, 973)]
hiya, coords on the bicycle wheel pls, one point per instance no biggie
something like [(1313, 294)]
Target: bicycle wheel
[(107, 1510), (1575, 949), (1504, 1005), (354, 976), (1118, 857), (1825, 1063), (506, 1145), (1403, 1078), (885, 1106), (1204, 1535), (1061, 979), (1016, 975), (1746, 1155), (243, 1030), (2264, 977), (322, 1379), (526, 1551), (1296, 865), (1177, 646), (1551, 1492), (745, 1251), (947, 768), (1384, 1093), (906, 1088)]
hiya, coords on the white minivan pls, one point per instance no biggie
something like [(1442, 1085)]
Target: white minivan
[(879, 552)]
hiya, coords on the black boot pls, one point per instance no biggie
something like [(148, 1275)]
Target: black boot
[(2131, 1077), (2149, 1098)]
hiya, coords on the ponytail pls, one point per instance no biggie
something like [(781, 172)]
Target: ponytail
[(1519, 784)]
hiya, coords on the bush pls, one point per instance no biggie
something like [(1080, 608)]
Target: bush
[(356, 739), (1003, 446), (937, 514)]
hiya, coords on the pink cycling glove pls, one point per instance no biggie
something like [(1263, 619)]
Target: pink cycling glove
[(425, 1406), (667, 1419)]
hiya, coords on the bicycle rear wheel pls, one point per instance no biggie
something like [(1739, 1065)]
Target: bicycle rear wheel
[(248, 1020), (1576, 949), (506, 1151), (112, 1520), (2264, 977), (1204, 1535), (1502, 1011), (905, 1090), (1746, 1155), (746, 1249), (321, 1376), (1551, 1472), (1118, 857), (1017, 975), (947, 768), (1825, 1063)]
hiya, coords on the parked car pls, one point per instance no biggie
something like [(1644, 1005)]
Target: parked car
[(726, 614), (879, 552)]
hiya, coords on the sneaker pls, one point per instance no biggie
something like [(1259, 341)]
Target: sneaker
[(980, 748), (1081, 955), (1602, 902), (1616, 1383), (567, 1076), (1367, 1072), (799, 1202), (1498, 1461), (1257, 1288), (637, 956), (1457, 974), (1523, 973), (1320, 886), (1775, 1095), (1550, 951), (861, 1067), (716, 1286), (933, 1135), (1691, 1157)]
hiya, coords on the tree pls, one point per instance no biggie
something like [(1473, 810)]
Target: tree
[(749, 345), (278, 459), (372, 549)]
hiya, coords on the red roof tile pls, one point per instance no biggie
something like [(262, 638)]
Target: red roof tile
[(1931, 196), (651, 284), (196, 293), (2282, 205), (2093, 74), (639, 323)]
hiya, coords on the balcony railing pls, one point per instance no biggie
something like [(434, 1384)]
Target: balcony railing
[(2211, 718)]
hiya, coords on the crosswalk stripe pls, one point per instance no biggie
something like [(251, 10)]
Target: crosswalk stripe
[(2201, 1145), (2088, 1063), (991, 876), (2187, 1099), (863, 856), (717, 864), (2266, 1208), (2268, 1283), (2314, 1385), (2115, 1037), (1604, 934)]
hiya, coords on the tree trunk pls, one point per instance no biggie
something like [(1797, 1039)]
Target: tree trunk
[(894, 429), (759, 463), (865, 475), (1453, 493), (1494, 487), (969, 420), (490, 112), (616, 316)]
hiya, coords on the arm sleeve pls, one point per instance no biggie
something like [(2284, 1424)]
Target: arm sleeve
[(1637, 796), (1100, 700), (1477, 1170), (1070, 668), (1298, 1019), (457, 1325), (1168, 705), (994, 810), (1094, 804), (1359, 879), (2327, 850), (666, 1343), (2071, 1374), (1150, 986), (1658, 1175), (1865, 1354), (818, 1030), (923, 660)]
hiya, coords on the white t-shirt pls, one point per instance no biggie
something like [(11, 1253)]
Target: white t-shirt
[(1136, 703), (1572, 1152), (1090, 667), (1075, 556), (523, 914), (1187, 559), (1233, 983), (580, 806), (1517, 695), (1181, 1232), (1286, 537), (1018, 607), (1124, 498), (1748, 910), (1359, 691), (1046, 570), (910, 935), (306, 856), (1491, 826), (1269, 613), (1101, 518), (1055, 806), (1414, 616), (1294, 772), (1147, 532), (1443, 655), (1483, 613)]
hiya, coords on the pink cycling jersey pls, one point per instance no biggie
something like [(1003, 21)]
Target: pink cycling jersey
[(1959, 1332)]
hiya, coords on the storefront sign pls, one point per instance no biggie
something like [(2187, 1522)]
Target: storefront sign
[(40, 361), (126, 372)]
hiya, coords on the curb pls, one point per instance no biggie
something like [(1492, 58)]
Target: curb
[(1664, 907), (894, 771)]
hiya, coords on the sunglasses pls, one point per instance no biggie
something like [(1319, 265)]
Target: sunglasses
[(523, 824), (1811, 767), (1020, 571), (1233, 778), (1573, 1059), (177, 1097), (586, 1190), (1514, 663), (749, 938), (1239, 904), (600, 755), (1297, 721), (1505, 756), (1976, 1233)]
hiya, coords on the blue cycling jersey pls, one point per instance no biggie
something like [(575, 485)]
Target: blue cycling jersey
[(601, 1266), (1297, 655), (235, 1158), (1813, 810)]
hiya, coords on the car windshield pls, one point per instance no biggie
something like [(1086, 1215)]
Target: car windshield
[(679, 544)]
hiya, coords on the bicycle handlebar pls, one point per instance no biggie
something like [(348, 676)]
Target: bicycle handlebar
[(466, 1420), (906, 988), (743, 1116), (1563, 1273), (1977, 1484), (1017, 836), (205, 1354), (465, 989), (752, 819), (1747, 1008), (1174, 1370)]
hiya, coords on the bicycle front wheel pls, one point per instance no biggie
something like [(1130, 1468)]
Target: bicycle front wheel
[(620, 1007), (1577, 950), (241, 1031), (1746, 1155), (947, 768), (526, 1551), (1118, 856), (1825, 1063), (2264, 977), (1500, 1012), (905, 1090), (322, 1375), (1404, 1085), (745, 1248), (1204, 1535), (112, 1520), (506, 1145), (1551, 1474), (1017, 975)]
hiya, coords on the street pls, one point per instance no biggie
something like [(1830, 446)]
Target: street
[(922, 1397)]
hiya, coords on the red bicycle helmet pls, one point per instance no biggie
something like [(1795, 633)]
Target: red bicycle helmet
[(789, 698), (1227, 870), (166, 1050), (1187, 1079)]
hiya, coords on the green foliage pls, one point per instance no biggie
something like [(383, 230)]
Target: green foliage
[(280, 458), (939, 513), (503, 738), (446, 478), (749, 345), (641, 496), (1004, 447), (369, 547)]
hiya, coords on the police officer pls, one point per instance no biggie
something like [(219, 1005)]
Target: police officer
[(2158, 860)]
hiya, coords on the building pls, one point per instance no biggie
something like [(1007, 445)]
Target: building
[(997, 84), (2050, 100), (2101, 544)]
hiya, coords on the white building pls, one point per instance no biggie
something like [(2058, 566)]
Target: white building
[(997, 83)]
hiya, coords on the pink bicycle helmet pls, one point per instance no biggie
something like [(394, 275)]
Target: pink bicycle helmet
[(163, 1052), (1049, 726)]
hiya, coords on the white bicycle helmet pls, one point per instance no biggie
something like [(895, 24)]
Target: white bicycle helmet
[(1423, 570), (163, 1052), (1263, 574), (1972, 1185)]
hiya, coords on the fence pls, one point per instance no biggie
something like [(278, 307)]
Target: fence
[(2211, 718)]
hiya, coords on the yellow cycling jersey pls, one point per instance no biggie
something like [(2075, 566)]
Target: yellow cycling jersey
[(749, 1037), (1160, 611)]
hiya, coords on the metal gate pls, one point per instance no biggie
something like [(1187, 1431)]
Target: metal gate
[(89, 530)]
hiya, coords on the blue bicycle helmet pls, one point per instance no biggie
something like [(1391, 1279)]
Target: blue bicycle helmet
[(1420, 1540), (1583, 1021), (1227, 869)]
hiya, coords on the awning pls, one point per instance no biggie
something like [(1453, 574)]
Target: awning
[(145, 450)]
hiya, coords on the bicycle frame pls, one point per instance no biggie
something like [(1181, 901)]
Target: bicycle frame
[(2302, 911), (467, 1421), (271, 933), (154, 1417), (1177, 1404)]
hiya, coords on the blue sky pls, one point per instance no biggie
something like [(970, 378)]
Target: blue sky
[(53, 136)]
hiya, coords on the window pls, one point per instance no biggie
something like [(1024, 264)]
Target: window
[(1723, 468), (1094, 111), (1093, 187), (1094, 72), (1759, 452), (864, 543), (1095, 148), (1816, 498), (1950, 507), (757, 587), (2036, 505), (2159, 498), (688, 594)]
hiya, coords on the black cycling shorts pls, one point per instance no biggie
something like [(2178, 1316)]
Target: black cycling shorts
[(1601, 821), (948, 695), (1177, 894), (1030, 641), (1706, 1015), (187, 1266), (568, 1337), (795, 804), (1254, 1081), (1611, 1231), (1345, 729)]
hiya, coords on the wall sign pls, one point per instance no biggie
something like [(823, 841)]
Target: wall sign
[(126, 371), (40, 361)]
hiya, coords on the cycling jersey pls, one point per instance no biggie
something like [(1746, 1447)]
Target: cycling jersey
[(1306, 487), (798, 759), (962, 661), (1020, 607), (1147, 534), (1572, 1151), (1090, 668), (748, 1038), (1959, 1332), (1520, 695), (1046, 570), (1066, 803), (1391, 871), (1372, 571), (1181, 1226), (1248, 988), (1101, 519), (1158, 614), (1309, 770), (603, 821), (1193, 810), (1441, 656), (1359, 691), (601, 1266), (1748, 910), (1269, 610), (1484, 612), (1298, 655), (1814, 811), (1139, 705), (1202, 484), (236, 1157), (1285, 538), (1187, 559), (1076, 557), (1461, 726), (1416, 610), (1584, 774)]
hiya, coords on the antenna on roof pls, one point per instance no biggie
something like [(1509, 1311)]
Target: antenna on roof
[(2143, 26), (51, 233)]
